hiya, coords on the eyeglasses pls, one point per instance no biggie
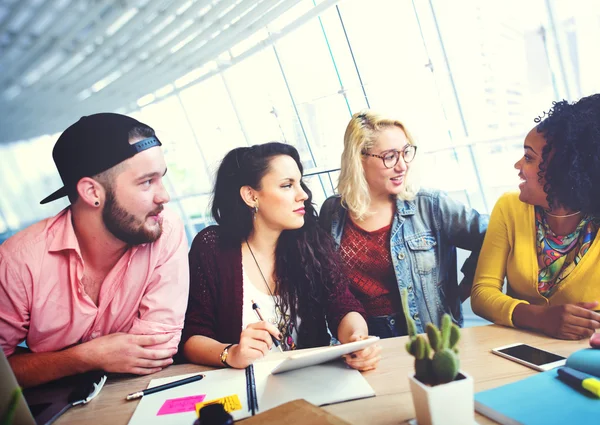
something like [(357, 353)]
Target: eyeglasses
[(391, 158)]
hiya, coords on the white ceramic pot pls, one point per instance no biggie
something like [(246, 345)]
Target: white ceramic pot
[(446, 404)]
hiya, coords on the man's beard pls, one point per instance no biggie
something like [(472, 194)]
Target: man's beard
[(126, 226)]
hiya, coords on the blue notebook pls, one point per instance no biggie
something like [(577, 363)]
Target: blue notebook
[(544, 399)]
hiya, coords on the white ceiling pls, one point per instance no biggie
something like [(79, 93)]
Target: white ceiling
[(61, 59)]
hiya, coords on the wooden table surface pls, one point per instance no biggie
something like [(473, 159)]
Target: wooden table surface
[(393, 403)]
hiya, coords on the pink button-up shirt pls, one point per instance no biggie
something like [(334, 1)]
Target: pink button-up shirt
[(43, 301)]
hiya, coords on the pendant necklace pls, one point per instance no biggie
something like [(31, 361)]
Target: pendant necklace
[(278, 311)]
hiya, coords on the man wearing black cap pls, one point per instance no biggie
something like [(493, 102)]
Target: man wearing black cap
[(103, 284)]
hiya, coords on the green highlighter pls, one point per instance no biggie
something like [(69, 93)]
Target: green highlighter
[(578, 380)]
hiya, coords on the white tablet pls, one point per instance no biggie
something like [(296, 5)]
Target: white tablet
[(322, 355)]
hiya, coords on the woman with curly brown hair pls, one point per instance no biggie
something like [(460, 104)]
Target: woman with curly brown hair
[(544, 239), (267, 248)]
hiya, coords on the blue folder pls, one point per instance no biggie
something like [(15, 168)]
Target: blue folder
[(544, 399)]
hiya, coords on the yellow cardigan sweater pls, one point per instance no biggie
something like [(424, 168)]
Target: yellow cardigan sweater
[(509, 250)]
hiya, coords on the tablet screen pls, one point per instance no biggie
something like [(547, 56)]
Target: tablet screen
[(322, 355)]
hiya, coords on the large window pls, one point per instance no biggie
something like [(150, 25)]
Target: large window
[(467, 81), (28, 175), (395, 69), (213, 119)]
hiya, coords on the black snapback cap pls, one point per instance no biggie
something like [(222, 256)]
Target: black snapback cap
[(94, 144)]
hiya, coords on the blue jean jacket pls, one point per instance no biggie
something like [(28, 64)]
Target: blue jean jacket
[(424, 236)]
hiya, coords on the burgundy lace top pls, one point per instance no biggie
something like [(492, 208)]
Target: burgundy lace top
[(368, 265)]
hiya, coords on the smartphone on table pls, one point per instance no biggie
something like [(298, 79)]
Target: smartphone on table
[(529, 356)]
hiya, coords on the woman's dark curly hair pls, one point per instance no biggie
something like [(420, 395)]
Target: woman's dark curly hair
[(571, 158), (305, 258)]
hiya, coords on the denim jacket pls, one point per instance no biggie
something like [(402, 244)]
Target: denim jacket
[(424, 236)]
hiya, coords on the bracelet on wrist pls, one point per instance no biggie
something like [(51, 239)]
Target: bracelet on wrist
[(224, 355)]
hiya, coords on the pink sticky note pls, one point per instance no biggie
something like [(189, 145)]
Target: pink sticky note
[(179, 405)]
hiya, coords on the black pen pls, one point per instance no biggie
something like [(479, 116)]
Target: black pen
[(174, 384), (256, 308)]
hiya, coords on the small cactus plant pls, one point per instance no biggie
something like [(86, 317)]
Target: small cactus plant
[(436, 360)]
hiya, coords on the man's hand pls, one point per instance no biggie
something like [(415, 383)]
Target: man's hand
[(126, 353), (365, 359), (255, 343), (570, 321)]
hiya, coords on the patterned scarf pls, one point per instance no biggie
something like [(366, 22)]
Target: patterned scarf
[(558, 255)]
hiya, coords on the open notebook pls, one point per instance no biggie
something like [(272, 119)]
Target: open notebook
[(321, 384), (543, 398)]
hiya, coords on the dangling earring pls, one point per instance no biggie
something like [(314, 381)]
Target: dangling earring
[(255, 210)]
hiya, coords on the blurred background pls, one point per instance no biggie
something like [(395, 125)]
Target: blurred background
[(467, 78)]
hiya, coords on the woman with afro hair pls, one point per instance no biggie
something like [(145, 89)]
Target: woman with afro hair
[(543, 239)]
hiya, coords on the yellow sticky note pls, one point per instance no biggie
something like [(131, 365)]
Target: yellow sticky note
[(230, 403)]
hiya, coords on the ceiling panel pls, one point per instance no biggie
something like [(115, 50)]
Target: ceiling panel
[(63, 59)]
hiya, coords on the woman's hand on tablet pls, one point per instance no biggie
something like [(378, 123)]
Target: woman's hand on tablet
[(365, 359)]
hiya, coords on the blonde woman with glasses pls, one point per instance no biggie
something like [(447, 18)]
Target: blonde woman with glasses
[(392, 235)]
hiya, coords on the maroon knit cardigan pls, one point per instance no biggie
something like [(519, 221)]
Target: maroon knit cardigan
[(215, 301)]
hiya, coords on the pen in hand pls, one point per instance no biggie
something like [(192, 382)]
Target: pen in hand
[(256, 309)]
